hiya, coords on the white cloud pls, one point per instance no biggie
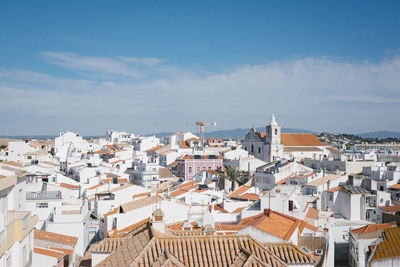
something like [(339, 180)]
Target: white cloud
[(313, 93)]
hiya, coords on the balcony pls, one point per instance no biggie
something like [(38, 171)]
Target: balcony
[(19, 225), (43, 195)]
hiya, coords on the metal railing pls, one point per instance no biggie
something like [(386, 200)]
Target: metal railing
[(43, 195)]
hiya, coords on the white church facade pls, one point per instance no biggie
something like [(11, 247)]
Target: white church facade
[(273, 145)]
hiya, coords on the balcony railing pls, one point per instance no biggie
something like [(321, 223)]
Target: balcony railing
[(43, 195)]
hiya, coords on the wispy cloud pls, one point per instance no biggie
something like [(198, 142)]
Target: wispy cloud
[(314, 93)]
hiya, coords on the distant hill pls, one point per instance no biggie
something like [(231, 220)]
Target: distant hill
[(380, 134)]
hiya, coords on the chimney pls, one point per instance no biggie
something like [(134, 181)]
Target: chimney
[(267, 212), (158, 220)]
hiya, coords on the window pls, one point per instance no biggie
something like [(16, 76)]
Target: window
[(20, 198), (252, 148), (259, 150), (190, 170), (9, 261), (276, 131), (245, 148), (290, 205), (24, 256), (209, 168), (42, 205)]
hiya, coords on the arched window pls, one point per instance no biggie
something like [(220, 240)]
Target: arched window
[(190, 170), (252, 148), (276, 131)]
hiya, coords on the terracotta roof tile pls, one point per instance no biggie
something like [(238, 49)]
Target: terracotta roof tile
[(240, 191), (390, 247), (394, 208), (371, 228), (194, 251), (289, 253), (395, 186), (12, 163), (70, 186), (47, 252), (154, 148), (50, 236), (312, 213), (297, 139)]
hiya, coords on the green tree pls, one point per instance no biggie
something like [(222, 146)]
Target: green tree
[(233, 174)]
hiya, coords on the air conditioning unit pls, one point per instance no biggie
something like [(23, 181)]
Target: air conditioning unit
[(319, 252)]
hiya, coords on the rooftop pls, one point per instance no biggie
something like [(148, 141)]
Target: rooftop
[(390, 246)]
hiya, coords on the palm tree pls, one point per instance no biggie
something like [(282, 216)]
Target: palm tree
[(233, 174)]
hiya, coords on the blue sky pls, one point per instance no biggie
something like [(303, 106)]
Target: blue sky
[(92, 66)]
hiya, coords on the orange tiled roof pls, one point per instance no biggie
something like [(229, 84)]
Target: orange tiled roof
[(272, 222), (146, 194), (393, 208), (70, 186), (183, 144), (240, 191), (12, 163), (395, 186), (390, 247), (95, 186), (154, 148), (289, 253), (117, 161), (334, 189), (312, 213), (50, 236), (190, 251), (371, 228), (178, 226), (296, 139), (113, 211), (65, 250), (250, 196), (124, 231), (47, 252)]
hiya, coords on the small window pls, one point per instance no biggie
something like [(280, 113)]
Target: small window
[(190, 170), (276, 131), (42, 205), (259, 150)]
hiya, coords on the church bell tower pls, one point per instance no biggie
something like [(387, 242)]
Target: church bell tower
[(273, 147)]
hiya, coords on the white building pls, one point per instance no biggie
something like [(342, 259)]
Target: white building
[(69, 147), (16, 225), (268, 175)]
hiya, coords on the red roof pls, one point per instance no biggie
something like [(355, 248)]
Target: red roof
[(50, 253), (70, 186), (370, 228), (312, 213), (297, 139), (240, 191), (394, 208), (54, 237), (154, 148), (334, 189)]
